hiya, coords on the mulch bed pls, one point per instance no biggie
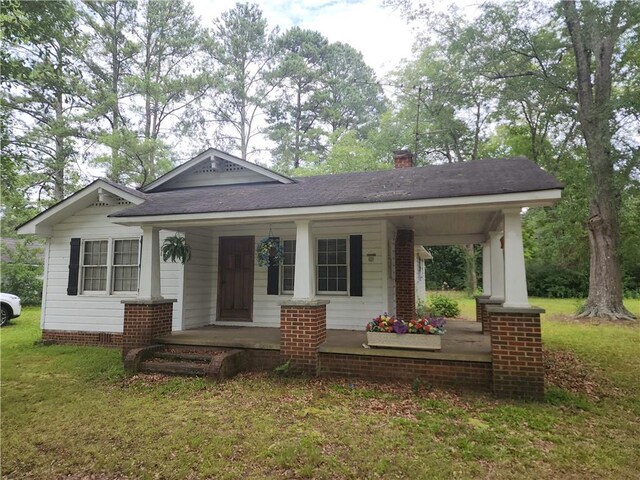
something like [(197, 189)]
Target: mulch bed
[(564, 370)]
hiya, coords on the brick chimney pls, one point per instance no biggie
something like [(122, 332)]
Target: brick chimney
[(403, 159)]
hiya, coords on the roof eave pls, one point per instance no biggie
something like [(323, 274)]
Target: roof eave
[(358, 210)]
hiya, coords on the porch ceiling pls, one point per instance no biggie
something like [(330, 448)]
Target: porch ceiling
[(450, 228)]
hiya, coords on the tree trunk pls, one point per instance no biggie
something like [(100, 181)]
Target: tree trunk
[(471, 275), (595, 46)]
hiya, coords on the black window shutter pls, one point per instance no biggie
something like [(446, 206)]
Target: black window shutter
[(74, 267), (355, 265), (273, 279)]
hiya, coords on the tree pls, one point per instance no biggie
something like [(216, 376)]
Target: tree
[(242, 49), (595, 32), (354, 100), (41, 82), (555, 69), (168, 78), (109, 63), (294, 114)]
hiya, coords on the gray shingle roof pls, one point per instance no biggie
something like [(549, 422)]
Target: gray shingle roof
[(480, 177)]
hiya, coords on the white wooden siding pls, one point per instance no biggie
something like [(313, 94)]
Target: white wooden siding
[(95, 313), (199, 287), (196, 179), (343, 311)]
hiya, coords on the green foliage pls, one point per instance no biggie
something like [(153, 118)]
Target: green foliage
[(422, 310), (553, 281), (447, 267), (22, 273), (176, 249), (443, 306)]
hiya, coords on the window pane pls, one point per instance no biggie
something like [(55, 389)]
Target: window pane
[(125, 279), (95, 278)]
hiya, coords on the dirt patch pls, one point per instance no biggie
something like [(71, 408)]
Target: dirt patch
[(145, 379), (564, 370)]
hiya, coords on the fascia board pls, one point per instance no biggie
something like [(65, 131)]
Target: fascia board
[(361, 210)]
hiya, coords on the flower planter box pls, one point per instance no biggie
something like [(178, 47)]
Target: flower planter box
[(411, 341)]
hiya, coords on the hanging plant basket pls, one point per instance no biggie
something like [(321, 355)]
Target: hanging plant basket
[(176, 249), (270, 252)]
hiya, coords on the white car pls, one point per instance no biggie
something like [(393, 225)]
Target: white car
[(11, 307)]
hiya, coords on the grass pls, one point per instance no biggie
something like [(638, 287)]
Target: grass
[(70, 412), (555, 307)]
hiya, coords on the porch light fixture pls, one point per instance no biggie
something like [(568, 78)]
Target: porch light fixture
[(371, 256)]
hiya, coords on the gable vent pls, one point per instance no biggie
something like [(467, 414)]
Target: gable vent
[(219, 166)]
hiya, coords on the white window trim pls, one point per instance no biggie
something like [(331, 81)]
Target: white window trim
[(281, 276), (316, 266), (109, 292)]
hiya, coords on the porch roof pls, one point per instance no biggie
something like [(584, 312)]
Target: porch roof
[(468, 179)]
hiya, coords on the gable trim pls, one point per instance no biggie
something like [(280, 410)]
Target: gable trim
[(212, 152), (41, 224)]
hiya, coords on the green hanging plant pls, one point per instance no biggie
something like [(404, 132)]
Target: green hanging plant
[(270, 252), (176, 249)]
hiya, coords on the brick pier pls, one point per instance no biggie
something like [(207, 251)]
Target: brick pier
[(516, 351), (405, 275), (144, 320), (303, 328)]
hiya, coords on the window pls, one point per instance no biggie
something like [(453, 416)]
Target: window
[(112, 263), (332, 265), (94, 270), (125, 265), (288, 265)]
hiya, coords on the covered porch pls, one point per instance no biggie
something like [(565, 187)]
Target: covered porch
[(464, 341)]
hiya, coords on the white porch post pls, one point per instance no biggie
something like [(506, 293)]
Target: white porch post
[(486, 268), (515, 279), (304, 274), (497, 266), (150, 264)]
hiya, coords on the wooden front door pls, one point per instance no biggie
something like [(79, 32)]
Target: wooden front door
[(235, 279)]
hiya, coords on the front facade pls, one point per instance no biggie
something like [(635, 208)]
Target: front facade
[(353, 244)]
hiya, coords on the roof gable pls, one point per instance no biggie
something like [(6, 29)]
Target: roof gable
[(100, 192), (211, 168)]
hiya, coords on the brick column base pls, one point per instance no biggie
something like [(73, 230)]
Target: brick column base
[(303, 328), (482, 302), (516, 351), (144, 320), (405, 275)]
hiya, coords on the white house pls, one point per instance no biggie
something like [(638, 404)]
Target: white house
[(352, 242)]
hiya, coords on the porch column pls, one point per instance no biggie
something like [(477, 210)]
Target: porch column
[(150, 314), (405, 275), (486, 268), (303, 319), (496, 266), (303, 288), (150, 264), (515, 279)]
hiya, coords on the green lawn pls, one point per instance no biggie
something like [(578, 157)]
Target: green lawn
[(70, 412), (554, 306)]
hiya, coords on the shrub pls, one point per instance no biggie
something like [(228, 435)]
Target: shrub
[(554, 281), (443, 306)]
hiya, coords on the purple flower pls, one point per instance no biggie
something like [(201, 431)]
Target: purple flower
[(400, 327)]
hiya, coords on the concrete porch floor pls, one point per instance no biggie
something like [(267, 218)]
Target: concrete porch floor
[(463, 341)]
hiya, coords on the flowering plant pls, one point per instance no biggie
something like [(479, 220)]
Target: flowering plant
[(269, 251), (386, 323)]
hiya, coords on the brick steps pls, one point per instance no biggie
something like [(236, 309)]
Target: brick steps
[(213, 364), (155, 365)]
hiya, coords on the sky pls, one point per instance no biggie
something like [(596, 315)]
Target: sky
[(380, 33)]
